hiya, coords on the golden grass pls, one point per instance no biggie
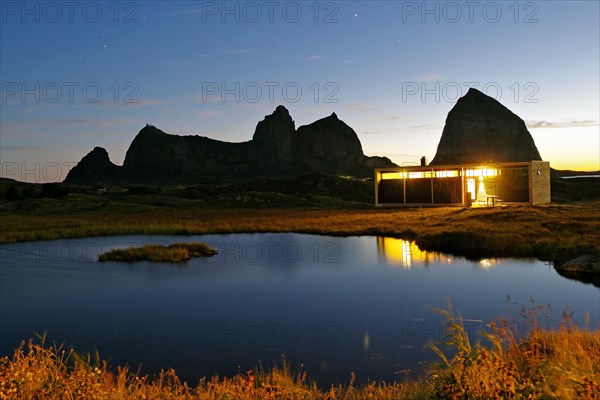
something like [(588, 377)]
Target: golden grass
[(554, 232), (177, 252), (36, 371), (549, 364)]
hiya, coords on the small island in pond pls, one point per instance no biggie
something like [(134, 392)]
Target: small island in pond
[(177, 252)]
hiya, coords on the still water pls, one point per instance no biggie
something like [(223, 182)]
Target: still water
[(333, 305)]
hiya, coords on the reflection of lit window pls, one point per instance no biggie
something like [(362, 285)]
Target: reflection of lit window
[(396, 251), (405, 253), (487, 263)]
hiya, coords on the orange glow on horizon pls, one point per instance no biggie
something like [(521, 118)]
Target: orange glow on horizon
[(569, 148)]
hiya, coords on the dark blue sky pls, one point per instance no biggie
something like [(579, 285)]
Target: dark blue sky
[(84, 74)]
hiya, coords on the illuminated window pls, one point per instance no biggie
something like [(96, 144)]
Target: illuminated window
[(392, 175), (481, 172), (446, 174)]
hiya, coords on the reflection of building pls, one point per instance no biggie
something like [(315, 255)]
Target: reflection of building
[(460, 185), (405, 253), (487, 263)]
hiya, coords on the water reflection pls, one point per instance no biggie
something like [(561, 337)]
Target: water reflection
[(406, 254), (487, 263), (337, 305)]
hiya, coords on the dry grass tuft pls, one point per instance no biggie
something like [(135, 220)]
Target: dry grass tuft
[(549, 364), (177, 252)]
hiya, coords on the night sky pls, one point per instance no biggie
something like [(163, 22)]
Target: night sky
[(81, 74)]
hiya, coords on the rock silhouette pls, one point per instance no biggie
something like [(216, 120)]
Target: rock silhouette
[(277, 149), (93, 167), (479, 129)]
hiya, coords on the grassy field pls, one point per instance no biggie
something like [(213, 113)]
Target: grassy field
[(555, 232), (557, 364)]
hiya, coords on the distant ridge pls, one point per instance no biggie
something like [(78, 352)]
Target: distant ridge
[(277, 148)]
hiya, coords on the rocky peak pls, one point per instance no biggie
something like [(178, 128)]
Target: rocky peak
[(330, 142), (97, 157), (95, 165), (149, 143), (276, 132), (274, 127), (150, 129), (331, 128), (281, 110), (480, 129), (98, 153)]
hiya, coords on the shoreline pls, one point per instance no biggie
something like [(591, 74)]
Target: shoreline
[(555, 233)]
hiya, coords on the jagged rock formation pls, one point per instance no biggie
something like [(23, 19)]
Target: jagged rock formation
[(315, 141), (274, 140), (479, 129), (276, 132), (276, 149), (94, 167)]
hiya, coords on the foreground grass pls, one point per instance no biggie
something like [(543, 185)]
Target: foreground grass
[(549, 364), (177, 252), (554, 233)]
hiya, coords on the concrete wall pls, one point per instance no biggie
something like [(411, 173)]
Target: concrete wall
[(539, 183)]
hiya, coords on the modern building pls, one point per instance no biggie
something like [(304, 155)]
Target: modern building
[(490, 184)]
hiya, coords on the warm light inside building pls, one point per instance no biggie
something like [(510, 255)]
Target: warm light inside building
[(393, 175), (481, 172), (468, 184), (447, 174), (471, 187), (420, 174), (481, 195)]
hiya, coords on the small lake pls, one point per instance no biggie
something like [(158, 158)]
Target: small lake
[(334, 305)]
